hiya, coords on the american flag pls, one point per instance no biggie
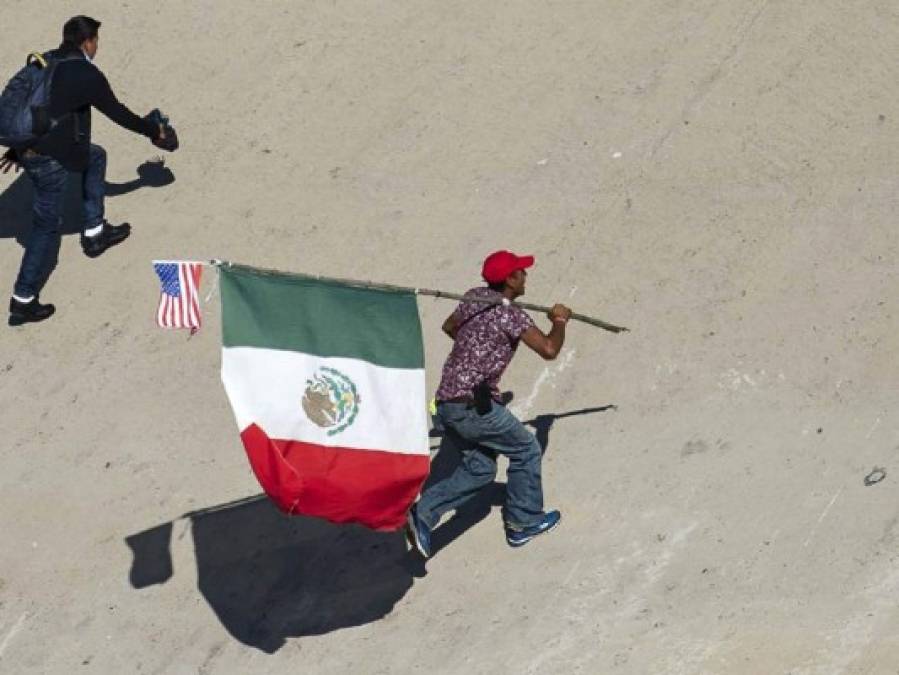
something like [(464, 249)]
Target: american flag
[(179, 303)]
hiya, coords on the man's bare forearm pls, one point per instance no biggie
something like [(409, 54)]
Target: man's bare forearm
[(557, 336)]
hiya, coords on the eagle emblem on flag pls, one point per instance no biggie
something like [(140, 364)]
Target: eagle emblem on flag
[(331, 400)]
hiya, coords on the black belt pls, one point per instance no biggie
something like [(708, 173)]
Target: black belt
[(458, 399)]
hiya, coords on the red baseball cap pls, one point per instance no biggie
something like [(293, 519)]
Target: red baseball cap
[(500, 264)]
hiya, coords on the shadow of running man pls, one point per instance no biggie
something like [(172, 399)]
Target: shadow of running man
[(16, 200), (151, 174), (16, 204)]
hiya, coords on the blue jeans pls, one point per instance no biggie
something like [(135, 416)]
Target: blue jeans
[(479, 439), (49, 179)]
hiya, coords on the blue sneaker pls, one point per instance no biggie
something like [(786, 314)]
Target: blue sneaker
[(418, 533), (521, 537)]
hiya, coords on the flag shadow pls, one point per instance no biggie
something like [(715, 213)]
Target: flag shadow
[(269, 577)]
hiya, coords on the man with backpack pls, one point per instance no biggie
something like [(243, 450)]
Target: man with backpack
[(45, 120)]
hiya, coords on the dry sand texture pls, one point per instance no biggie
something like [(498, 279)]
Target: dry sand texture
[(720, 176)]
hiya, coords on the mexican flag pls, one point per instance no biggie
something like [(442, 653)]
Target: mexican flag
[(327, 384)]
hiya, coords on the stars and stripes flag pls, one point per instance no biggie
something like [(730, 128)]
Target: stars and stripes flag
[(179, 302)]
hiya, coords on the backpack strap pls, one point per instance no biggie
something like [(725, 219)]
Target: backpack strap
[(487, 308), (36, 57)]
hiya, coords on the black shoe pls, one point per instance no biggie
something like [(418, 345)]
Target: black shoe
[(109, 236), (28, 312)]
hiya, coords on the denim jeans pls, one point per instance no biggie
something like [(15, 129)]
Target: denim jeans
[(479, 439), (49, 179)]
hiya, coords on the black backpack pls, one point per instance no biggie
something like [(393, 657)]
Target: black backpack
[(25, 103)]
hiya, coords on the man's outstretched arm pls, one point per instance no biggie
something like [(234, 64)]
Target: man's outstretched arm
[(104, 100)]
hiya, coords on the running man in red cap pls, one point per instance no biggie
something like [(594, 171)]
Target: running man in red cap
[(469, 406)]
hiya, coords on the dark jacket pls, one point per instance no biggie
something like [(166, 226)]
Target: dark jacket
[(77, 86)]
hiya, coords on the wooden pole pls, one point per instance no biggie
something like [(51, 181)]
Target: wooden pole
[(599, 323)]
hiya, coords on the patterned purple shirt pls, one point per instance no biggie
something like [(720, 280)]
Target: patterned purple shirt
[(485, 344)]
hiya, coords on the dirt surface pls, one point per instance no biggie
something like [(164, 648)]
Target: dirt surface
[(719, 176)]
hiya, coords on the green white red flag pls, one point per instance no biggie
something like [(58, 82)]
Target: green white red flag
[(328, 387)]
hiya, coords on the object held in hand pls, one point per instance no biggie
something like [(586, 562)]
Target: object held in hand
[(169, 143), (168, 140)]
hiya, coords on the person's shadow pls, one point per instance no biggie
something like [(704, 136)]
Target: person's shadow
[(16, 203), (151, 174), (269, 577)]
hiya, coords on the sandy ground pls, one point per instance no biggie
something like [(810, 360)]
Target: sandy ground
[(719, 176)]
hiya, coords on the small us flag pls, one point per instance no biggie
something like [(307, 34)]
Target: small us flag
[(179, 303)]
